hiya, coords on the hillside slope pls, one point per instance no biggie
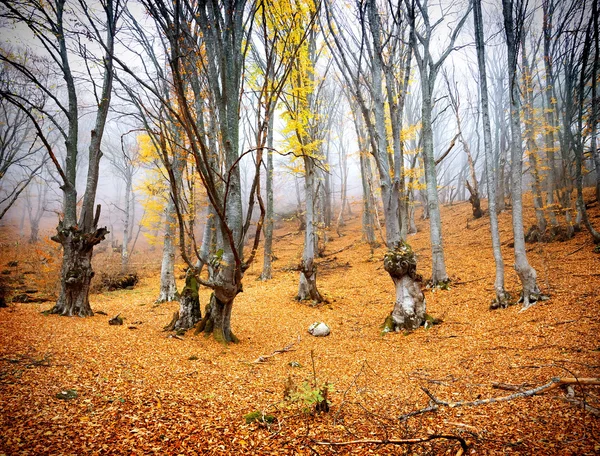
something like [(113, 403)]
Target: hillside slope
[(140, 391)]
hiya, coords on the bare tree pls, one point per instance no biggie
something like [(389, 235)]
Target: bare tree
[(514, 13), (49, 23), (420, 41), (20, 151), (502, 297)]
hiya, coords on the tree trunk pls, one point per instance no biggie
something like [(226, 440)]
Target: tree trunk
[(502, 297), (34, 231), (438, 266), (126, 233), (475, 201), (308, 270), (368, 217), (168, 287), (189, 305), (532, 147), (217, 320), (76, 271), (526, 273), (550, 116), (409, 309)]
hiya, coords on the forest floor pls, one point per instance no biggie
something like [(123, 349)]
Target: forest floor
[(141, 391)]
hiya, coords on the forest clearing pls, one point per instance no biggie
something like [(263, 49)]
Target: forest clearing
[(142, 391)]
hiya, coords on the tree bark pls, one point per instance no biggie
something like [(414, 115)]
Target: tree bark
[(76, 271), (268, 246), (502, 298), (168, 287), (409, 310), (189, 305), (527, 274), (307, 289)]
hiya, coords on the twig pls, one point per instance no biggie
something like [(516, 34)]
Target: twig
[(469, 281), (509, 387), (340, 250), (432, 408), (463, 442), (287, 348), (578, 249)]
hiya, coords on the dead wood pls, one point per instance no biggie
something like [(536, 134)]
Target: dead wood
[(581, 404), (287, 348), (578, 249), (432, 408), (349, 246), (555, 382), (463, 443), (509, 387), (116, 320)]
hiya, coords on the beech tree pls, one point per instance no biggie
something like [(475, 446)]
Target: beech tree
[(513, 12), (502, 297), (207, 45), (19, 149), (360, 60), (429, 67), (50, 24)]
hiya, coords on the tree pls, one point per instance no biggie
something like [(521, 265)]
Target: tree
[(126, 163), (19, 150), (362, 67), (49, 23), (473, 188), (420, 41), (513, 13), (502, 297), (303, 125), (206, 54)]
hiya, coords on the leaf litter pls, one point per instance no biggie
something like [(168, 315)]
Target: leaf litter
[(141, 392)]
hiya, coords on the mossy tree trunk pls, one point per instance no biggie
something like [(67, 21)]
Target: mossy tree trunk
[(409, 309), (189, 305), (217, 320), (76, 271)]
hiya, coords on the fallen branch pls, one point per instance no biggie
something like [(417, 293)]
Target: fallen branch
[(509, 387), (340, 250), (287, 348), (555, 382), (578, 249), (581, 404), (463, 442), (432, 408)]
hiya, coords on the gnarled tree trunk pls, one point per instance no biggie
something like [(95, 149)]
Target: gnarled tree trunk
[(409, 309), (307, 288), (76, 271), (189, 305)]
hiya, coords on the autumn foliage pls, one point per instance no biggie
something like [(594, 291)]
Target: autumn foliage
[(82, 386)]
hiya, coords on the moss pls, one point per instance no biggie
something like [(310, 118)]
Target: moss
[(67, 395), (401, 261), (260, 417), (388, 325)]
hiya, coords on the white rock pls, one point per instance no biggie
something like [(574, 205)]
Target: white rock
[(319, 329)]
